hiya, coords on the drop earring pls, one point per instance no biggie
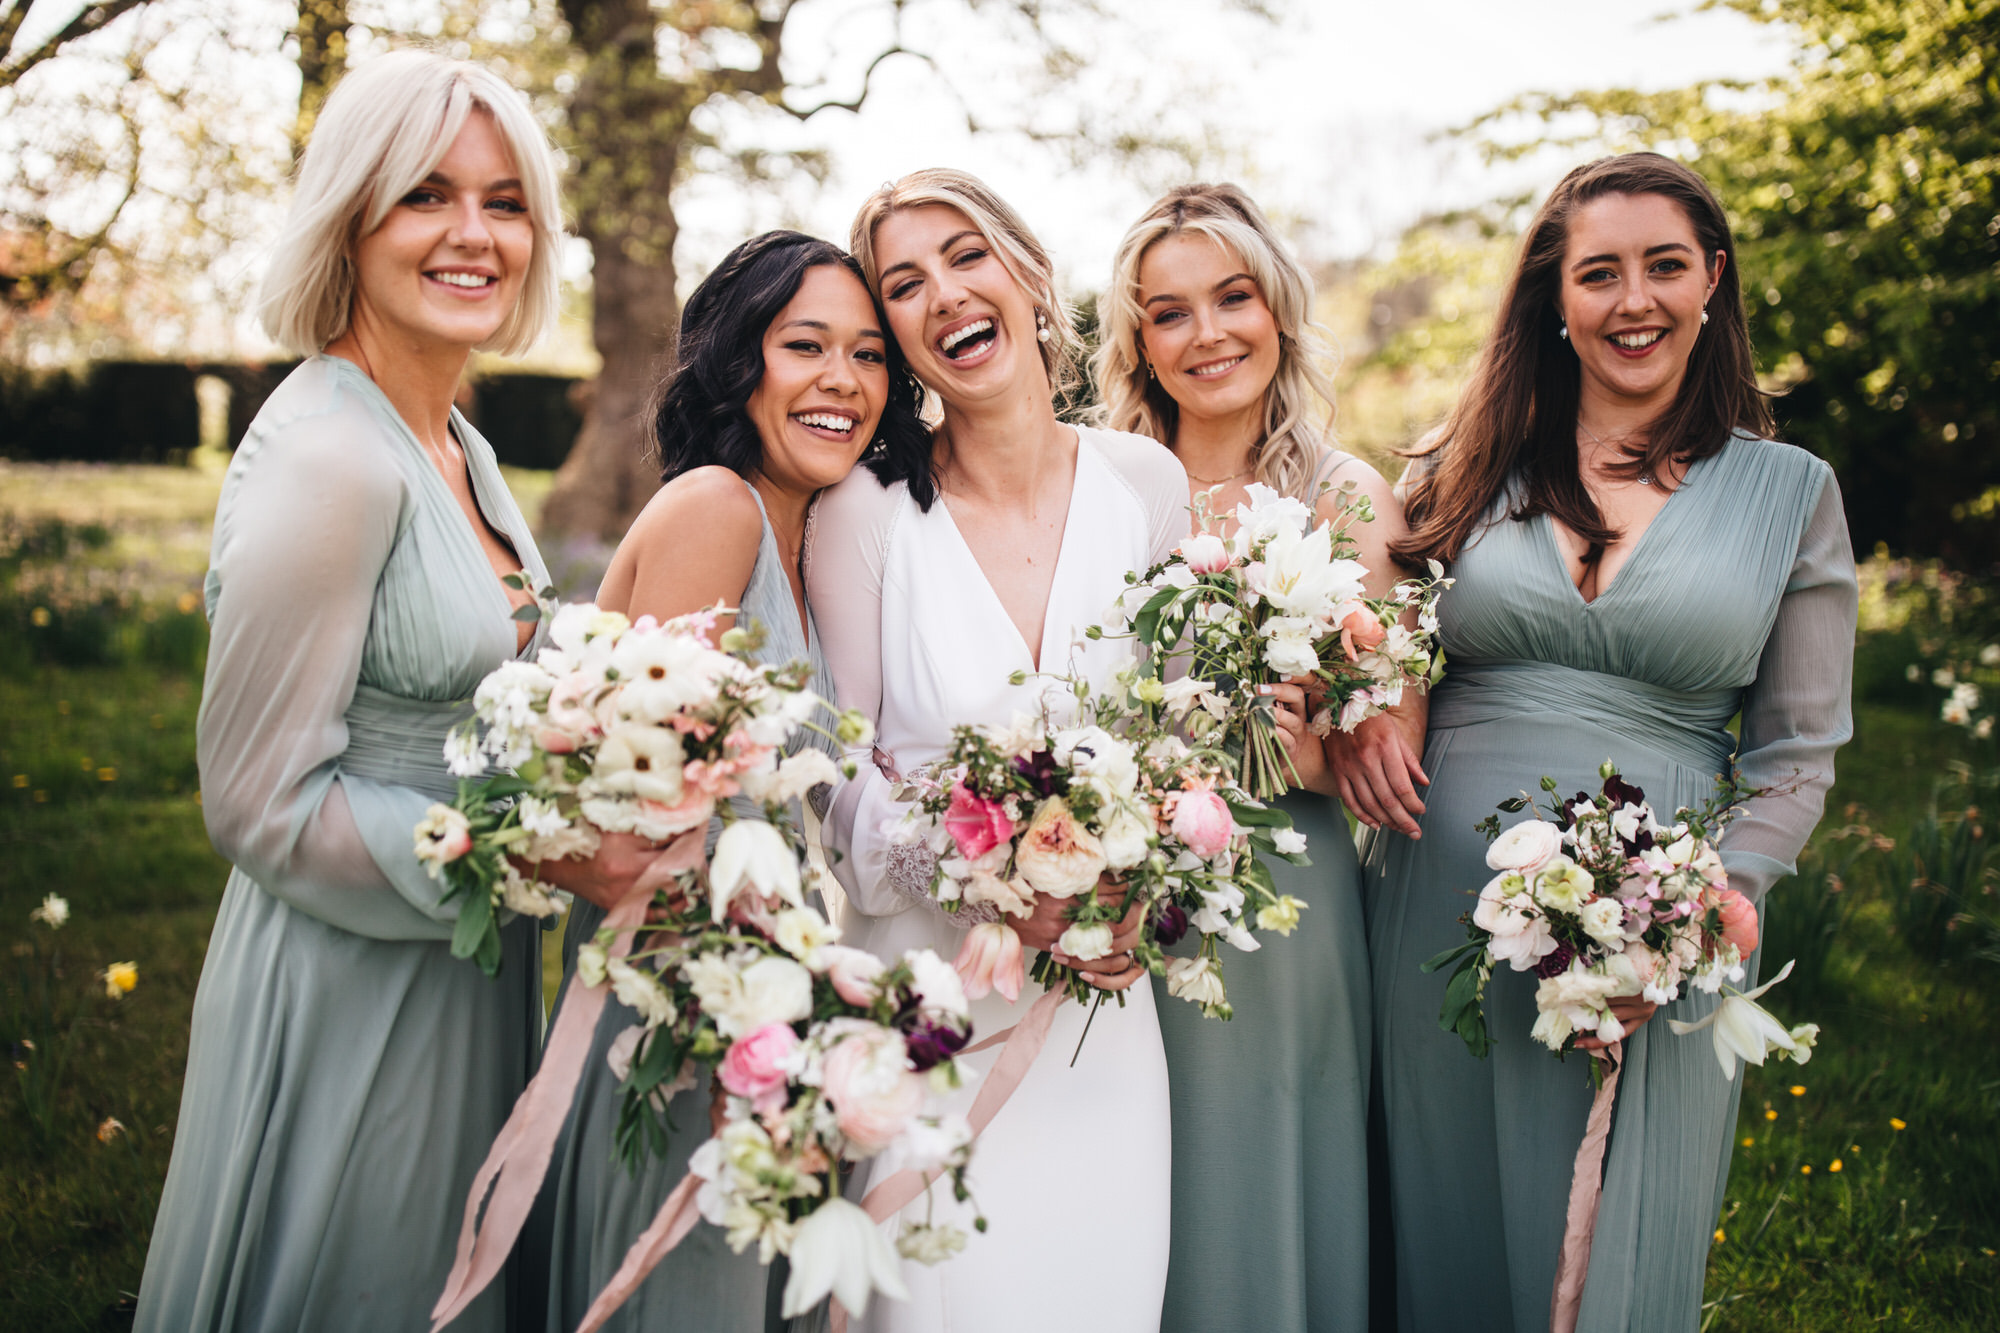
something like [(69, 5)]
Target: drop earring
[(1042, 333), (1704, 314), (1151, 373), (1563, 331)]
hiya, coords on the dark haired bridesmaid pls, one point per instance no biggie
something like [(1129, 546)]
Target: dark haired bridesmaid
[(1637, 563), (785, 378)]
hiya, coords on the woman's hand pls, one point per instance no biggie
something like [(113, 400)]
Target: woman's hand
[(1292, 708), (1631, 1011), (1045, 925), (624, 862), (1376, 773)]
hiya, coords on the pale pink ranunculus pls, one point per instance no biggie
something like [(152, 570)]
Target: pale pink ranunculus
[(990, 960), (874, 1094), (1058, 855), (1525, 847), (1205, 553), (1202, 822), (1739, 919), (854, 973), (754, 1067), (1361, 632), (976, 824), (569, 709)]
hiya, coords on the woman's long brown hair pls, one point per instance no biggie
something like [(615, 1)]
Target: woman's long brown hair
[(1516, 418)]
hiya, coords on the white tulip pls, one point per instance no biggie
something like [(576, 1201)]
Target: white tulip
[(839, 1249), (1745, 1029), (752, 852)]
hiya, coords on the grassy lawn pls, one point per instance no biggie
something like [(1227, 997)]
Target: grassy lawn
[(1866, 1185)]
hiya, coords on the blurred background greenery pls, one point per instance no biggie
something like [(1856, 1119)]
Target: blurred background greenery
[(1859, 175)]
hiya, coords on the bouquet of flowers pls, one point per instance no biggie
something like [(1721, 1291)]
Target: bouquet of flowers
[(1281, 596), (1042, 806), (1601, 901), (615, 727), (825, 1053)]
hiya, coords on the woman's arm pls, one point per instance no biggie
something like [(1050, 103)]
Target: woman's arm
[(1798, 711), (694, 545)]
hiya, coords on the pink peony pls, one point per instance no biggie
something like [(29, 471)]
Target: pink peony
[(1203, 823), (853, 972), (874, 1093), (1739, 919), (1205, 553), (991, 960), (754, 1067), (976, 824), (1361, 632)]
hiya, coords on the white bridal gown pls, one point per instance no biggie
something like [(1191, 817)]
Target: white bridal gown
[(1073, 1174)]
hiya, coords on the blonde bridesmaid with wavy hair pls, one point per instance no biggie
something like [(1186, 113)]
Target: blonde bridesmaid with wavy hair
[(345, 1073), (1209, 347)]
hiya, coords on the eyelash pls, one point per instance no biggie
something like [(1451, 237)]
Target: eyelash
[(959, 260), (419, 198), (1665, 268), (1228, 299)]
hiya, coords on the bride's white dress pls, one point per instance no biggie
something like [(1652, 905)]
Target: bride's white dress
[(1073, 1174)]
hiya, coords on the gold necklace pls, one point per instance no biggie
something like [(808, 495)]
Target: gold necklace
[(1645, 478), (1222, 481)]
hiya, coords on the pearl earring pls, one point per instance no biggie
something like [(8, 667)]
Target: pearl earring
[(1151, 373), (1563, 332), (1041, 325), (1704, 314)]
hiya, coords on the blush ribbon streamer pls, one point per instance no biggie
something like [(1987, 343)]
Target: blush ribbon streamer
[(1586, 1189)]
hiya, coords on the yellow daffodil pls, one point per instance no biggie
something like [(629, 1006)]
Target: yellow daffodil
[(119, 979), (1897, 1125)]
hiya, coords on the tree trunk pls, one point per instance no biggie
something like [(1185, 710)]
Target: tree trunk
[(322, 37), (629, 126)]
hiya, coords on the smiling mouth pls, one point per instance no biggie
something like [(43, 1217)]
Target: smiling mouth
[(974, 337), (1214, 368), (465, 281), (1638, 340), (835, 424)]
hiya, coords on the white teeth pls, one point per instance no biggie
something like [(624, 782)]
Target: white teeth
[(464, 279), (1637, 340), (825, 421), (1217, 368), (957, 336)]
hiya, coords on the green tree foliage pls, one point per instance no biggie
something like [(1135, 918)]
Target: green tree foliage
[(1861, 186)]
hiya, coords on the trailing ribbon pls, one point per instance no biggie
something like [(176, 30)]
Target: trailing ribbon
[(519, 1158), (669, 1228), (1586, 1188)]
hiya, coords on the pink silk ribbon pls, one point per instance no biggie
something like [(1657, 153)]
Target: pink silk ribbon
[(669, 1228), (1586, 1189), (519, 1158)]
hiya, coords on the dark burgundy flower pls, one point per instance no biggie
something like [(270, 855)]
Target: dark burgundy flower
[(1170, 923), (1039, 769), (932, 1043), (1622, 792), (1556, 963)]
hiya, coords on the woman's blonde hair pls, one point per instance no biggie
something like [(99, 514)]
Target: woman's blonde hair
[(1287, 457), (384, 128), (1013, 243)]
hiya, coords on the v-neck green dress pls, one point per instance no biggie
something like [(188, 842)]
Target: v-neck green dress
[(345, 1074), (1739, 596), (591, 1207)]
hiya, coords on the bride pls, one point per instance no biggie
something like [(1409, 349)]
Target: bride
[(930, 592)]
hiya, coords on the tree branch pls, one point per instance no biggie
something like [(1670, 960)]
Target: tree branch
[(93, 19), (854, 103)]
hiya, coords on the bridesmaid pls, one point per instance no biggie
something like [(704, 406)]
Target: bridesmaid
[(346, 1074), (1637, 563), (784, 378), (1208, 347)]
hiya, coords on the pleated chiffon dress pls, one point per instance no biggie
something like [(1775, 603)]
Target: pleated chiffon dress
[(345, 1073), (592, 1207), (1740, 595)]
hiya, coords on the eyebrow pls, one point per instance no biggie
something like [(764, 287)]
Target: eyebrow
[(1612, 259), (439, 178), (1170, 296), (824, 327), (950, 241)]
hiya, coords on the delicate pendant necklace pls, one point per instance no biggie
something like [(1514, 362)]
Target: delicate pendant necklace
[(1645, 478), (1222, 481)]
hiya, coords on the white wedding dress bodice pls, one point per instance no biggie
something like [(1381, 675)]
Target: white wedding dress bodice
[(1073, 1173)]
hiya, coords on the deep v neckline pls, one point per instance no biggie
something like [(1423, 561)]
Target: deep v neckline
[(1039, 654), (1553, 543)]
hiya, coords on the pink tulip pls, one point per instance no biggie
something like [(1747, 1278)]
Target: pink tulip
[(1739, 919), (976, 825), (991, 960), (754, 1067), (1202, 822), (1361, 632), (1205, 553)]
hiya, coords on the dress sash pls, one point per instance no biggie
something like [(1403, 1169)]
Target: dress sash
[(1689, 727), (398, 740)]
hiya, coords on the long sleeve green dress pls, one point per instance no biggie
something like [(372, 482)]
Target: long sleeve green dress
[(346, 1074), (1739, 596)]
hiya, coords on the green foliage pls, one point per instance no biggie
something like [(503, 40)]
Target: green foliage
[(1860, 184)]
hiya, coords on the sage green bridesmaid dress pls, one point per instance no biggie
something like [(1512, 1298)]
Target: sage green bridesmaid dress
[(1270, 1114), (1740, 596), (591, 1207), (345, 1073)]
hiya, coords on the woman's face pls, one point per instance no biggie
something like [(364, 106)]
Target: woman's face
[(826, 380), (1205, 327), (1634, 282), (445, 267), (965, 326)]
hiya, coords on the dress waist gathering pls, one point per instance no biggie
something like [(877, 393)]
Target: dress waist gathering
[(395, 739), (1689, 727)]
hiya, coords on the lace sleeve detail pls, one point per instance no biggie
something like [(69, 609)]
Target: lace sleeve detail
[(911, 868)]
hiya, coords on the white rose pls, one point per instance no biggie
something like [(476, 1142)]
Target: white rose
[(1086, 942), (774, 990), (1126, 839), (1604, 921), (1526, 847)]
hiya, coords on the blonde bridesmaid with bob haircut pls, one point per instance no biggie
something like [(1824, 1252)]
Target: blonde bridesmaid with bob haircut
[(345, 1073), (1209, 347)]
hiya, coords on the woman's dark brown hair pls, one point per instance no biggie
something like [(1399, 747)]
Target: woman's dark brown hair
[(1516, 418)]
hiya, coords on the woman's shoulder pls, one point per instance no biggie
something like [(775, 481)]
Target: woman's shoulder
[(712, 500), (1145, 465), (1750, 456), (860, 501), (319, 428)]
